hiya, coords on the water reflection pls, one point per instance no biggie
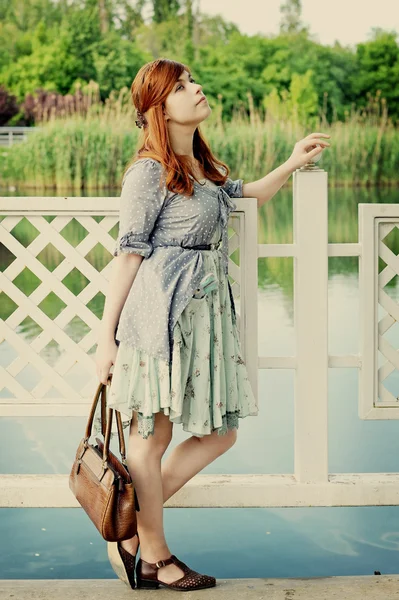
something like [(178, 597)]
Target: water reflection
[(275, 543)]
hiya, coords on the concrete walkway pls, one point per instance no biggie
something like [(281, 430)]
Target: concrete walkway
[(373, 587)]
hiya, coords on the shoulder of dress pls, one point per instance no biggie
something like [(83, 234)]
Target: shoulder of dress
[(147, 159), (143, 165)]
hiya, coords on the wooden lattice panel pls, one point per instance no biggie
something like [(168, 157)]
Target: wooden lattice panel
[(52, 379), (51, 285), (379, 299), (388, 234)]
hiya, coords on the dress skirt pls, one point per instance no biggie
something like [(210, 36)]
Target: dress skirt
[(205, 387)]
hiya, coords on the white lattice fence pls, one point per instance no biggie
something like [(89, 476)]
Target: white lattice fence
[(379, 235), (53, 370)]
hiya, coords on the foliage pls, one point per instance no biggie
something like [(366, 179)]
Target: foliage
[(56, 47), (291, 17), (8, 106)]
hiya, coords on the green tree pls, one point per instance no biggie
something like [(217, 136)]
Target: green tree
[(290, 23), (23, 24), (128, 17), (296, 104), (378, 69), (116, 61), (57, 44), (163, 10), (80, 52)]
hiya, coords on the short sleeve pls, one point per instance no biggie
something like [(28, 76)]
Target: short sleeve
[(233, 188), (141, 202)]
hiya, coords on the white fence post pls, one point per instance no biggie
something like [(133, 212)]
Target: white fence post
[(310, 230)]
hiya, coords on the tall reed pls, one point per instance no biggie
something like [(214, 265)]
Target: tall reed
[(86, 145)]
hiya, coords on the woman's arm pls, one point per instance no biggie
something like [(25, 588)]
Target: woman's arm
[(141, 202), (124, 271), (264, 189)]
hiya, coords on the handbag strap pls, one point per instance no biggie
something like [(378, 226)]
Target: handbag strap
[(106, 431), (122, 448)]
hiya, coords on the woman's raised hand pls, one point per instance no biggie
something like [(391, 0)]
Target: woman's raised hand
[(306, 149)]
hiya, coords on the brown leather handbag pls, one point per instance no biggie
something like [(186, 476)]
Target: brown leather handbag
[(101, 482)]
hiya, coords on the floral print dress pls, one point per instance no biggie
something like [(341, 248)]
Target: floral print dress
[(205, 387)]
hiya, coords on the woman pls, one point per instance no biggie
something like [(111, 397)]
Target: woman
[(176, 351)]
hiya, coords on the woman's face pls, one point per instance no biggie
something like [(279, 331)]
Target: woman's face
[(181, 106)]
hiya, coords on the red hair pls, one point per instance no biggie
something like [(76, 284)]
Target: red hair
[(151, 86)]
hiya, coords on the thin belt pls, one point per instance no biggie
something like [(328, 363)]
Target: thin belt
[(213, 246)]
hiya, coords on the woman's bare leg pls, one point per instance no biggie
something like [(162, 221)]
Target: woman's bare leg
[(186, 460), (191, 456), (144, 464)]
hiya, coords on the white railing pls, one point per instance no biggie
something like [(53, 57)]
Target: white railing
[(12, 135), (311, 484)]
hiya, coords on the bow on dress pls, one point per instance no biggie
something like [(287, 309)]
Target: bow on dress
[(209, 283)]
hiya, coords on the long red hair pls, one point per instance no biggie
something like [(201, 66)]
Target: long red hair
[(151, 86)]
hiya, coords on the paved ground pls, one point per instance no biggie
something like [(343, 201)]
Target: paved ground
[(373, 587)]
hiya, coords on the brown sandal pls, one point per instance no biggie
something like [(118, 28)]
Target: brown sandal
[(147, 576)]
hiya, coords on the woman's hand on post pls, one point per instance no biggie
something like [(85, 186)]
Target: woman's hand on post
[(306, 149)]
